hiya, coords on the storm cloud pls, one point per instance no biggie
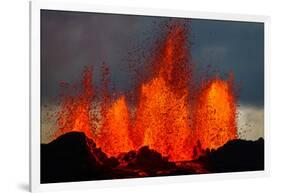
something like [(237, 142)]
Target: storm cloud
[(71, 40)]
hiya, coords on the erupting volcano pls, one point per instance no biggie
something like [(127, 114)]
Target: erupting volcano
[(128, 96), (165, 117)]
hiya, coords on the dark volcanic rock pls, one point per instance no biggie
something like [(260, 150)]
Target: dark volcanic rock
[(68, 158), (149, 162), (74, 157), (234, 156)]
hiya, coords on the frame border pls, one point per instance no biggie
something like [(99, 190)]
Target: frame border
[(34, 94)]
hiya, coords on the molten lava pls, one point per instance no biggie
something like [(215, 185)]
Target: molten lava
[(75, 111), (215, 114), (114, 131), (165, 117), (163, 109)]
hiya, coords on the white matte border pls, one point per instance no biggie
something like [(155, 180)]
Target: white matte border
[(35, 8)]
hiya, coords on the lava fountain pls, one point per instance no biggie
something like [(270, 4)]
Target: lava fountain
[(164, 117), (215, 113), (163, 111), (75, 110), (114, 130)]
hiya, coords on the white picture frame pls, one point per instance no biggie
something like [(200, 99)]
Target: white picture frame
[(36, 6)]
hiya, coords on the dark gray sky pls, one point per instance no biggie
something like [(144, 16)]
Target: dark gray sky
[(71, 40)]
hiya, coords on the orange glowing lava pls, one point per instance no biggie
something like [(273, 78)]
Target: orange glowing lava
[(165, 117), (215, 114), (163, 110), (114, 131), (75, 112)]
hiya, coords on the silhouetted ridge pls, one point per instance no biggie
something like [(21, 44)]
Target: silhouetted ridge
[(236, 155), (68, 158), (74, 157)]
